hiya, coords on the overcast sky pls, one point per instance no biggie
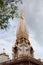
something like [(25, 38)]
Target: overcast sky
[(33, 10)]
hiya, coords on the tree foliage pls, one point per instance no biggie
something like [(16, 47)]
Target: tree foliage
[(8, 9)]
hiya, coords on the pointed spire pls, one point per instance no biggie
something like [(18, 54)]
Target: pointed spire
[(22, 30), (22, 14), (3, 50)]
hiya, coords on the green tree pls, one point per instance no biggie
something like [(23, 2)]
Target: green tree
[(8, 9)]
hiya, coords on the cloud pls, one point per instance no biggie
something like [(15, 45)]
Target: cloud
[(36, 46), (34, 19), (7, 38)]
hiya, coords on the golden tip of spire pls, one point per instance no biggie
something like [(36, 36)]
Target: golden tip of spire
[(22, 14)]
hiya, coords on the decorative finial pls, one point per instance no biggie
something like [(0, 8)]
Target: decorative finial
[(22, 14), (3, 50)]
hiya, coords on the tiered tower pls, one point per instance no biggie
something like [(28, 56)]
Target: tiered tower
[(22, 47)]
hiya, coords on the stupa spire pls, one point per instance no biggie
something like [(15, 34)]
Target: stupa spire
[(22, 30), (22, 46)]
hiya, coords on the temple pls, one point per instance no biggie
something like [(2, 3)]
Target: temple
[(23, 52), (22, 46)]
